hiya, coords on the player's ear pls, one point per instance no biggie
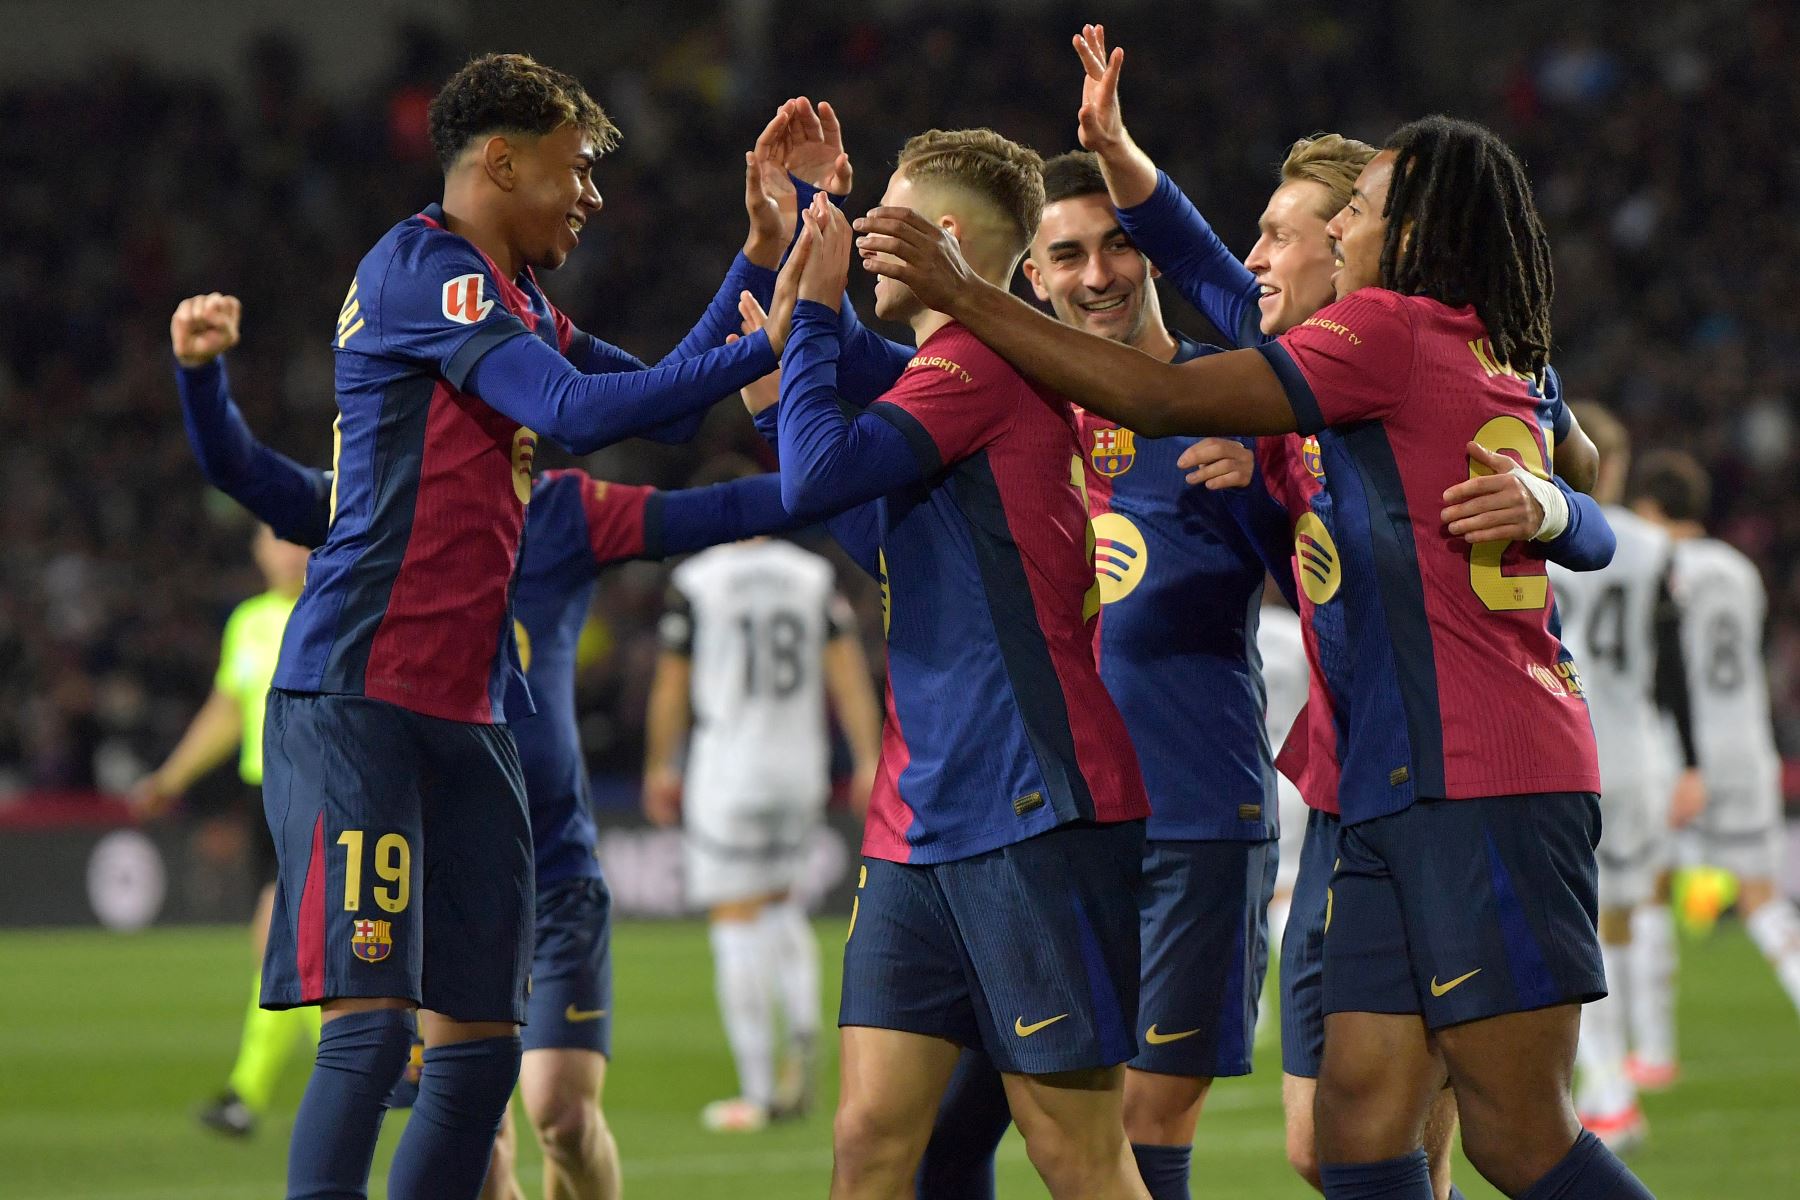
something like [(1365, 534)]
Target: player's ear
[(1036, 279), (498, 160)]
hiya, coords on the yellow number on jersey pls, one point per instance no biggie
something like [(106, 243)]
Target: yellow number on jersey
[(393, 862), (349, 316), (1497, 591)]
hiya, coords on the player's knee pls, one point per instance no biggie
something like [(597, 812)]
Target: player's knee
[(1075, 1162), (568, 1128), (864, 1138)]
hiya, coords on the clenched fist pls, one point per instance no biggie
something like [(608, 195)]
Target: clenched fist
[(204, 327)]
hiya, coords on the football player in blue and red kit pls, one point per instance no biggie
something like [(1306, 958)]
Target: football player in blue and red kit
[(400, 667), (1180, 588), (997, 899), (575, 525), (1285, 279), (1469, 767)]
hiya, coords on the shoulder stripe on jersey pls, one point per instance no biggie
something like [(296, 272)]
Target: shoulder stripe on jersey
[(1029, 668), (456, 371), (1402, 592), (398, 455), (1307, 417), (923, 448)]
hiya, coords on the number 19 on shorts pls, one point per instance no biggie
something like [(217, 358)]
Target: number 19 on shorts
[(393, 865)]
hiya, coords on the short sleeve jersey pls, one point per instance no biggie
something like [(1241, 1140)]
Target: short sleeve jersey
[(998, 727), (247, 655), (755, 617), (409, 598), (1724, 605), (1609, 625), (576, 525), (1457, 685), (1180, 593)]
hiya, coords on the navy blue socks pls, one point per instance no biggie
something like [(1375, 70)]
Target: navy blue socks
[(443, 1155), (1589, 1171), (1405, 1178), (360, 1055), (1164, 1169)]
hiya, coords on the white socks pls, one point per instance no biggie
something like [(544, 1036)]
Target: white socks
[(1606, 1090), (1650, 992), (793, 958), (1775, 927), (741, 978)]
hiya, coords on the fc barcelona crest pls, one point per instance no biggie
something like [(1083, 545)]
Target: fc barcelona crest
[(373, 940), (1114, 451)]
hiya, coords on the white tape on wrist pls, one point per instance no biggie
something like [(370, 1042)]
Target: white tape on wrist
[(1551, 500)]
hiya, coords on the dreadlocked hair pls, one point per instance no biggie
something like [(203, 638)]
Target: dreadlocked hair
[(1462, 228)]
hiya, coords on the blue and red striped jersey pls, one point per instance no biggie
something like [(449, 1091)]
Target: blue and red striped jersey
[(1455, 684), (409, 599), (1181, 590), (578, 524), (998, 727)]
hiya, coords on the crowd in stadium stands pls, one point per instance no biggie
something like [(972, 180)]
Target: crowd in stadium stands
[(1663, 156)]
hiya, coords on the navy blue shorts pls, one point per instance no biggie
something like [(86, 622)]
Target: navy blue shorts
[(1464, 909), (405, 858), (1204, 932), (571, 973), (1028, 952), (1303, 949)]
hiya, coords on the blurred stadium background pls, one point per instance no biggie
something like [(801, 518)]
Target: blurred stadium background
[(153, 149)]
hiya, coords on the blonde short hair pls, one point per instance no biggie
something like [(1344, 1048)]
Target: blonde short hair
[(1329, 159), (995, 168)]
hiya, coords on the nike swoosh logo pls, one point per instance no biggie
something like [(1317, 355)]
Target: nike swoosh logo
[(1163, 1039), (1024, 1030), (575, 1015), (1438, 989)]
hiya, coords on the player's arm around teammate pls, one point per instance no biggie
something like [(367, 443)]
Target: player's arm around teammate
[(1510, 1064)]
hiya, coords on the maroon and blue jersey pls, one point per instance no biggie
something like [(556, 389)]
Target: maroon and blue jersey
[(998, 727), (1180, 588), (1455, 683), (409, 599), (578, 524)]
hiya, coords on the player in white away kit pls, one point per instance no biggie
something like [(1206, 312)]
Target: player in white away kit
[(1724, 603), (1284, 673), (1623, 626), (754, 637)]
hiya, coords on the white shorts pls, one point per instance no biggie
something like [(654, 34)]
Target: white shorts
[(1292, 811), (1636, 844), (1741, 829), (734, 856)]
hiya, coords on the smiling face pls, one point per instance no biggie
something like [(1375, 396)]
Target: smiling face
[(1292, 259), (553, 193), (1090, 272), (1358, 231)]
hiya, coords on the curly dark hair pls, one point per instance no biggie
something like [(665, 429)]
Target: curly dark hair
[(512, 93), (1463, 229)]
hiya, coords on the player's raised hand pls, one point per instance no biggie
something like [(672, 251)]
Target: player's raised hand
[(205, 327), (1101, 125), (765, 392), (769, 196), (905, 247), (814, 150), (780, 317), (1218, 463), (1492, 508), (827, 269), (1130, 174)]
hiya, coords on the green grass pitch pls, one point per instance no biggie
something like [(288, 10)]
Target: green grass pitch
[(107, 1043)]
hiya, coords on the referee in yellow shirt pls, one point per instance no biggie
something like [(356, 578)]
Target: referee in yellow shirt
[(232, 719)]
